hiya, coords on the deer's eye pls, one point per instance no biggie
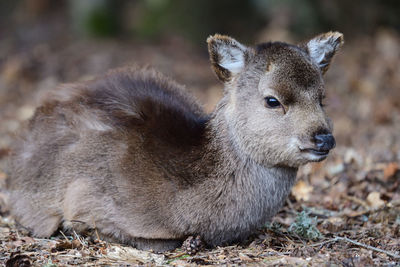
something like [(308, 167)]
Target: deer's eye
[(272, 102)]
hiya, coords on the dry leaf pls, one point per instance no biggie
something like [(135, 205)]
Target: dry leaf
[(390, 170), (4, 152), (18, 260), (132, 255), (374, 200), (336, 169), (28, 240), (352, 156), (221, 257), (244, 257), (334, 224), (25, 112), (179, 263), (301, 191), (66, 244), (25, 240)]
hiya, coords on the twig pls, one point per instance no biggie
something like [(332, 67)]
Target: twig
[(64, 235), (324, 213), (77, 237), (95, 230), (389, 205), (394, 203), (178, 255), (298, 237), (358, 201), (338, 238), (324, 242), (391, 254), (290, 204)]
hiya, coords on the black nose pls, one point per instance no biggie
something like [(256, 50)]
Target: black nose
[(325, 141)]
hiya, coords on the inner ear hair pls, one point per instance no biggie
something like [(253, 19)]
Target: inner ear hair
[(323, 47), (227, 56)]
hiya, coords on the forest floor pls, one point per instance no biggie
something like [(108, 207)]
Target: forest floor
[(344, 211)]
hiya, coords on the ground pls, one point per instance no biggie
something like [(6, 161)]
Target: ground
[(344, 211)]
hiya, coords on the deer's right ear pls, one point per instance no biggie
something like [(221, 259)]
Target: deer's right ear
[(227, 56), (323, 47)]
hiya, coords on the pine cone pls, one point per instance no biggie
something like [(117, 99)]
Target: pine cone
[(193, 245), (18, 260)]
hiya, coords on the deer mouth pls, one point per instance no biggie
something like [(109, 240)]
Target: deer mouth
[(317, 154)]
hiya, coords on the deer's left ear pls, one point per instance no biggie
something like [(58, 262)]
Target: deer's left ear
[(227, 56), (323, 47)]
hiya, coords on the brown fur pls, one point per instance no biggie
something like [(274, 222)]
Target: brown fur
[(132, 154)]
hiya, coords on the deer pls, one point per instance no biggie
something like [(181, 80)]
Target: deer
[(132, 154)]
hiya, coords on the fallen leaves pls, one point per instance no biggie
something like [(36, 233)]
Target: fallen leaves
[(23, 241), (18, 260), (25, 112), (390, 170), (374, 200), (301, 191), (129, 255), (4, 152), (66, 244), (245, 258), (334, 224)]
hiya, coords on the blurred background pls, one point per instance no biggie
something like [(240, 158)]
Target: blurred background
[(44, 43)]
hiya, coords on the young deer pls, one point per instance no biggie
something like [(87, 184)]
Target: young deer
[(132, 154)]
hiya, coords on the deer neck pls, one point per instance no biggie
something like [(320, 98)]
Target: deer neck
[(227, 171)]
